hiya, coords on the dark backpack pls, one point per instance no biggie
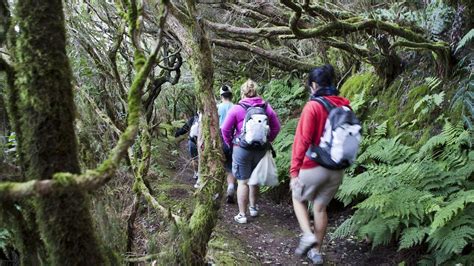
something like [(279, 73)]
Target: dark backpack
[(340, 139), (255, 129)]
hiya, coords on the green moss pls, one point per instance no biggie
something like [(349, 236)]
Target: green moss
[(361, 83), (225, 249), (139, 60), (46, 109), (64, 178)]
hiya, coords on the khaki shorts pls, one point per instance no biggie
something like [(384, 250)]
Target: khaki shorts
[(317, 184)]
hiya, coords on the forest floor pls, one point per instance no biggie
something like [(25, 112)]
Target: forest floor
[(269, 238)]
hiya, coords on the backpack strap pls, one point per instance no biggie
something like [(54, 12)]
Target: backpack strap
[(327, 105), (246, 106)]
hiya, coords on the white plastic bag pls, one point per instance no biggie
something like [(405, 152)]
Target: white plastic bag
[(265, 173)]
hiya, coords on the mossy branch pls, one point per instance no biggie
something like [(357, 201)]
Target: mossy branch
[(92, 179), (280, 61), (139, 185), (180, 15), (265, 31), (317, 10), (335, 27)]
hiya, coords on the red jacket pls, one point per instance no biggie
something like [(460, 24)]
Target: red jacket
[(309, 131)]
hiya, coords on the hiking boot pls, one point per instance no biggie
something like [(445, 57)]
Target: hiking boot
[(240, 218), (315, 257), (307, 241), (253, 211)]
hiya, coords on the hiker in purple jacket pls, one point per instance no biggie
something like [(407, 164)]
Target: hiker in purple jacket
[(246, 157)]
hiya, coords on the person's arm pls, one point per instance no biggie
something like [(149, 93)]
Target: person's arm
[(185, 129), (228, 126), (273, 122), (303, 138)]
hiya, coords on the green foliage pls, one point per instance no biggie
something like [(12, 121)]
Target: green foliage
[(413, 236), (176, 102), (468, 37), (282, 146), (415, 196), (436, 18), (285, 95), (5, 240), (464, 96), (359, 89)]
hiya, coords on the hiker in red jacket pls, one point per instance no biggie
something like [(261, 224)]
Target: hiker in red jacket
[(309, 181)]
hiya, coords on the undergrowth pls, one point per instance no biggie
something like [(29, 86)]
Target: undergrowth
[(414, 196)]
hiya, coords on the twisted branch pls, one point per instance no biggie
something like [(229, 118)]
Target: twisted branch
[(93, 179)]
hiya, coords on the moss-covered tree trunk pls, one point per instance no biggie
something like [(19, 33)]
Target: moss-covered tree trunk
[(196, 232), (48, 142)]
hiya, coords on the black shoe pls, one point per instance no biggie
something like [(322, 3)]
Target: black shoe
[(230, 199)]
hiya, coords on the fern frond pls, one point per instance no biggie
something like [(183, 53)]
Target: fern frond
[(381, 130), (445, 214), (413, 236), (355, 186), (344, 230), (433, 82), (401, 203), (467, 38), (379, 230), (387, 151), (451, 241)]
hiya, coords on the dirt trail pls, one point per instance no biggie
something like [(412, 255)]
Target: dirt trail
[(272, 237)]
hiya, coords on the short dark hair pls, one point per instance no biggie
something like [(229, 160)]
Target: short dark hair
[(226, 92), (323, 76), (227, 95)]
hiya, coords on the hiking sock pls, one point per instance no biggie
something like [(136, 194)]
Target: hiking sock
[(230, 188)]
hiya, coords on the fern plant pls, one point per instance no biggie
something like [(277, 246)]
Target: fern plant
[(464, 96), (5, 240), (285, 95), (282, 146), (415, 196)]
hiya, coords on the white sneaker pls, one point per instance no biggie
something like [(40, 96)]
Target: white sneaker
[(197, 184), (315, 256), (240, 218), (253, 210), (307, 241)]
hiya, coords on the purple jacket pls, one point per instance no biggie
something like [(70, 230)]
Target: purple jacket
[(235, 117)]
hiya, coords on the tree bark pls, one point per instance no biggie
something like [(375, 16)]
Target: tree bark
[(282, 62), (192, 243), (46, 108)]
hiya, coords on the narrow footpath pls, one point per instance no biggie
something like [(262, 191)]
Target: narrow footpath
[(272, 237)]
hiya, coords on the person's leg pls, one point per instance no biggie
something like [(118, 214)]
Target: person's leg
[(242, 196), (253, 195), (230, 183), (303, 190), (241, 170), (324, 195), (193, 153), (320, 223), (230, 188), (301, 212)]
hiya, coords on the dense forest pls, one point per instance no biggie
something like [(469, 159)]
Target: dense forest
[(92, 93)]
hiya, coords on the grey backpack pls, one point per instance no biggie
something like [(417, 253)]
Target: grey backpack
[(255, 128), (340, 139)]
